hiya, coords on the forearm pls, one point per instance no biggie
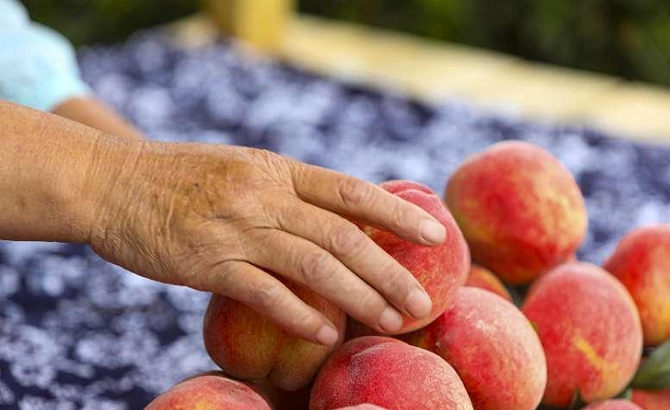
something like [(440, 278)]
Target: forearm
[(92, 112), (47, 164)]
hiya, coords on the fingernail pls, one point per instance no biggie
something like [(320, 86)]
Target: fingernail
[(390, 320), (418, 304), (433, 232), (327, 335)]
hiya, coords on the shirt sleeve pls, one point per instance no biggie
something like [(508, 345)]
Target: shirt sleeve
[(38, 66)]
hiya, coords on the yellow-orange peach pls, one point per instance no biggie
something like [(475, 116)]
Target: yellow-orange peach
[(248, 346), (209, 392), (519, 208), (492, 347), (590, 331), (641, 261)]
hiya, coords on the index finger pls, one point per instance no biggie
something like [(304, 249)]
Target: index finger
[(367, 203)]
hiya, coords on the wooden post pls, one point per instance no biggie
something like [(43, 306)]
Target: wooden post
[(261, 23)]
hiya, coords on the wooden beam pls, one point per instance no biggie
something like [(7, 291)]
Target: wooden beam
[(435, 71)]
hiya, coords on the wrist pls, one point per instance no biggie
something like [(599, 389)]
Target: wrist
[(52, 172), (106, 187), (79, 184)]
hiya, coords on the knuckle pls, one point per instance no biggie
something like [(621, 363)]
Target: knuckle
[(305, 320), (267, 298), (314, 267), (353, 193), (370, 306), (345, 239), (396, 282), (403, 215)]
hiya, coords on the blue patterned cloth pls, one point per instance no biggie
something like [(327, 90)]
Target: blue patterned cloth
[(77, 333), (38, 67)]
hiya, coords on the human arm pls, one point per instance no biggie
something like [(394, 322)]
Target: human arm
[(212, 217), (90, 111)]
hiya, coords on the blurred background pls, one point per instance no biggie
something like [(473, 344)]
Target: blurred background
[(378, 89), (626, 38)]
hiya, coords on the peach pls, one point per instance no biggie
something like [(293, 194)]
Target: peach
[(520, 210), (395, 186), (388, 373), (590, 330), (440, 269), (652, 399), (613, 405), (362, 407), (482, 278), (209, 392), (493, 348), (641, 261), (248, 346), (266, 390)]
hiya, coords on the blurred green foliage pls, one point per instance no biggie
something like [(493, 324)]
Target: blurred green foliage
[(103, 21), (628, 38)]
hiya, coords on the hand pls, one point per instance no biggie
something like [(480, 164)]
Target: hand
[(217, 218)]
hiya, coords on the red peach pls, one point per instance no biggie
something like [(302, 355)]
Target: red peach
[(590, 330), (439, 269), (362, 407), (209, 392), (613, 405), (395, 186), (652, 400), (482, 278), (641, 262), (248, 346), (388, 373), (519, 208), (492, 347)]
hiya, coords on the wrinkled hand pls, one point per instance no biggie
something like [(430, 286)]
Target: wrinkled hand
[(217, 218)]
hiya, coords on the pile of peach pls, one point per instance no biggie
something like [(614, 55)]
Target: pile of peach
[(577, 340)]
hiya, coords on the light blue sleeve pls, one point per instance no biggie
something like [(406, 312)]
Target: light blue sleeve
[(38, 67)]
